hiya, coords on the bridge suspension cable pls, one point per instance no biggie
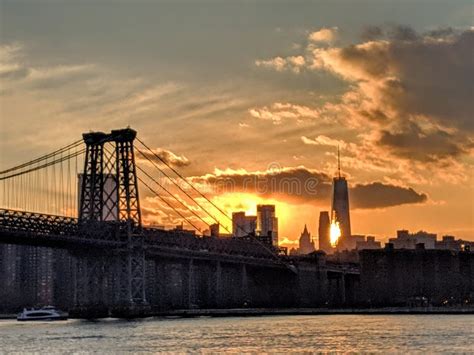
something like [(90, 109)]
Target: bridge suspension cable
[(269, 250), (43, 157), (178, 186), (168, 204), (45, 184), (184, 179), (110, 154), (173, 196)]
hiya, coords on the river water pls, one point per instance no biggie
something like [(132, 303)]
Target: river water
[(282, 334)]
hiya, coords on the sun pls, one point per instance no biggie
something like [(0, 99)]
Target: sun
[(334, 232)]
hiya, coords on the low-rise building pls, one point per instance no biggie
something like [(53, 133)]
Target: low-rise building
[(368, 243), (407, 240)]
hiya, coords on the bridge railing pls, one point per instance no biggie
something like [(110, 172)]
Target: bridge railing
[(37, 223), (185, 240)]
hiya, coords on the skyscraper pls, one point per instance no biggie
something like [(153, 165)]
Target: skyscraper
[(340, 202), (323, 232), (267, 223), (243, 225)]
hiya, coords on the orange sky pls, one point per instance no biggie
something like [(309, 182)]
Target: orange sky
[(243, 91)]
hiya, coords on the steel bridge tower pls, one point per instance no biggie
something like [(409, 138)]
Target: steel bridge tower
[(109, 208)]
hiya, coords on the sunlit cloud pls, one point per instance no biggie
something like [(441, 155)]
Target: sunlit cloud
[(279, 112), (325, 35), (393, 89), (160, 155)]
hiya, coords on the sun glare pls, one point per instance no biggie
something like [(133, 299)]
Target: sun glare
[(335, 233)]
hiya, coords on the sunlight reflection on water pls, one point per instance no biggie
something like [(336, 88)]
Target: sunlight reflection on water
[(367, 333)]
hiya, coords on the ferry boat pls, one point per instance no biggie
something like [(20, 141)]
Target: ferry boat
[(47, 313)]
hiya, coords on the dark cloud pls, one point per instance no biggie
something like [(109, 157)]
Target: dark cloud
[(301, 185), (370, 33), (402, 33), (441, 32), (415, 89), (378, 195), (414, 143)]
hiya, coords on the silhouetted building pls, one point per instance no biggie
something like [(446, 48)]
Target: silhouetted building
[(214, 230), (340, 205), (369, 243), (406, 240), (243, 225), (349, 242), (306, 244), (267, 223), (323, 232), (451, 243), (416, 277)]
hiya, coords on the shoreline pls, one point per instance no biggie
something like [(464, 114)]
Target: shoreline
[(256, 312), (243, 312)]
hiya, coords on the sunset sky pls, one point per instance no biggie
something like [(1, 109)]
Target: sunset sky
[(259, 93)]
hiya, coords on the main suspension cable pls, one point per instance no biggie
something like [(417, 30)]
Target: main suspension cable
[(45, 165), (169, 205), (180, 188), (44, 157), (184, 179), (173, 196)]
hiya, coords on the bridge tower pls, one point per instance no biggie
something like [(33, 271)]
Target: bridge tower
[(109, 209)]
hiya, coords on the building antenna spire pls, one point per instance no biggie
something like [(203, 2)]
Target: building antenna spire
[(338, 163)]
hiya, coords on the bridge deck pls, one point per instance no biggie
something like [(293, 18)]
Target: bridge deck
[(22, 227)]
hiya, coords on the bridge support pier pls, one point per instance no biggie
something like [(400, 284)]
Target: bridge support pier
[(191, 284), (91, 285), (129, 274), (245, 287), (218, 284)]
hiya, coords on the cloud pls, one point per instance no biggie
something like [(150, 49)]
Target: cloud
[(411, 75), (411, 91), (370, 33), (414, 143), (323, 140), (165, 155), (324, 35), (378, 195), (16, 73), (293, 63), (302, 185), (279, 112)]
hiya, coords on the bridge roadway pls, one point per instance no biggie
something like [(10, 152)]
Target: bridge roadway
[(36, 229)]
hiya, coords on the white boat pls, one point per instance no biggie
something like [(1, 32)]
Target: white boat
[(47, 313)]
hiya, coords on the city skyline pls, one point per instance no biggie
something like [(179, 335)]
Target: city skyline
[(268, 97)]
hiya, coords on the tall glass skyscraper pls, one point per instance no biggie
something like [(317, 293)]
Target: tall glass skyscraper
[(340, 202), (340, 205)]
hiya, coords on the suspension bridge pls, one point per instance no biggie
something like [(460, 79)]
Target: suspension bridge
[(84, 198)]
